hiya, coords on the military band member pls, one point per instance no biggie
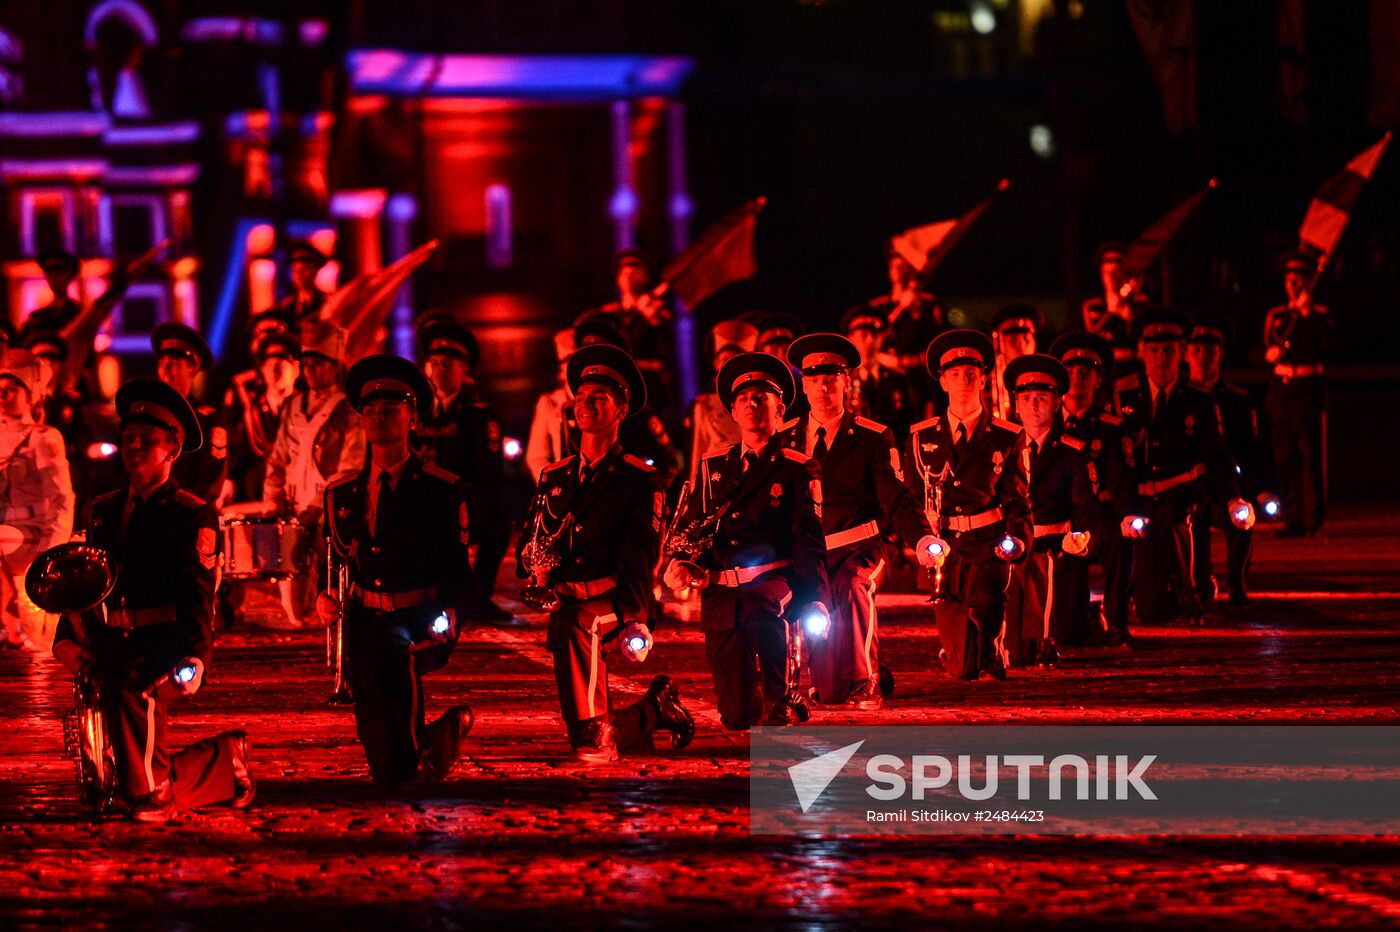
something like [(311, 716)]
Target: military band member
[(912, 316), (318, 440), (254, 399), (1211, 333), (976, 459), (549, 441), (1110, 315), (645, 319), (775, 334), (154, 642), (766, 555), (710, 423), (304, 301), (599, 514), (1297, 336), (1063, 512), (1088, 359), (401, 527), (63, 405), (36, 497), (862, 491), (1014, 329), (1174, 451), (463, 436), (60, 270), (181, 354), (877, 391)]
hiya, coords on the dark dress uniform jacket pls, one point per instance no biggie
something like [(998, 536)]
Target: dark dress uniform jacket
[(465, 438), (1239, 418), (1101, 432), (1184, 435), (616, 528), (1060, 488), (861, 478), (421, 538), (771, 512), (203, 471), (165, 560), (990, 474)]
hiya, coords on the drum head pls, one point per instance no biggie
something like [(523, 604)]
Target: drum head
[(70, 578), (11, 539), (248, 510)]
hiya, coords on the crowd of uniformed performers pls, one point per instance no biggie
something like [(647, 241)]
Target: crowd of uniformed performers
[(1000, 468)]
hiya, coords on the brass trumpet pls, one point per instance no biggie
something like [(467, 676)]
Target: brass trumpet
[(933, 509), (541, 556)]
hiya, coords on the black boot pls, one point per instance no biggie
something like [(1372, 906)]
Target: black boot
[(867, 696), (445, 739), (156, 806), (597, 742), (243, 784), (671, 715)]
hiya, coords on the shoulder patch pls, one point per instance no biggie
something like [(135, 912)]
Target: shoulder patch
[(1074, 443), (868, 424), (797, 456), (931, 422), (553, 466), (443, 474), (188, 499), (1006, 425), (1112, 420), (718, 451), (638, 462)]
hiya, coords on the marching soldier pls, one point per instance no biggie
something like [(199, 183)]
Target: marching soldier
[(463, 436), (598, 514), (60, 268), (645, 321), (1111, 314), (181, 354), (318, 440), (155, 641), (1014, 329), (1088, 359), (877, 391), (303, 303), (710, 423), (756, 507), (64, 407), (969, 470), (912, 316), (1174, 451), (1205, 349), (1296, 339), (1039, 605), (862, 490), (401, 527)]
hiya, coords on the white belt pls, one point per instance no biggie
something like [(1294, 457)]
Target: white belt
[(1159, 486), (395, 601), (1285, 371), (853, 535), (741, 575), (587, 590), (973, 522)]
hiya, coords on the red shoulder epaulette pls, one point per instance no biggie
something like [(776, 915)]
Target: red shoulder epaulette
[(1006, 425), (717, 451), (931, 422), (553, 466), (797, 456), (446, 475), (638, 462), (868, 424), (1112, 420), (1074, 443)]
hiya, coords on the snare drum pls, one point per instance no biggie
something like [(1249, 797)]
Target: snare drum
[(264, 546)]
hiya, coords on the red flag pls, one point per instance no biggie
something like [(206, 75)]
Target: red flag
[(925, 247), (362, 306), (1154, 240), (1331, 207), (722, 255), (1166, 30)]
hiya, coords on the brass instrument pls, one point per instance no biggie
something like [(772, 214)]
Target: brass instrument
[(933, 509), (684, 545), (541, 556), (338, 585), (74, 579)]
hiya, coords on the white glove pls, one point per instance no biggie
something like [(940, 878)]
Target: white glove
[(1241, 514), (1076, 543), (633, 635), (327, 609), (1134, 527), (931, 550)]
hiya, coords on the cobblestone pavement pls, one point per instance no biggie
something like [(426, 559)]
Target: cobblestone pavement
[(520, 835)]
